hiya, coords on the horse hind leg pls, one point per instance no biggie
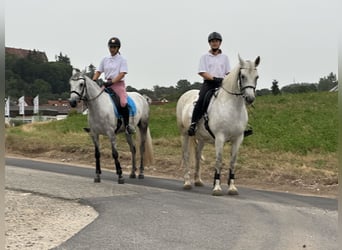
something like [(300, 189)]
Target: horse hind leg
[(185, 161), (115, 155), (97, 178), (143, 134), (132, 148), (198, 180)]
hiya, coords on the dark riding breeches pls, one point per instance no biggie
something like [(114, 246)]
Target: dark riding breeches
[(202, 103)]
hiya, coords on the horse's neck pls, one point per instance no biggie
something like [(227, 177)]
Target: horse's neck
[(231, 82), (93, 90)]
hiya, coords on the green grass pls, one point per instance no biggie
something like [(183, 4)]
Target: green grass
[(297, 123), (163, 121)]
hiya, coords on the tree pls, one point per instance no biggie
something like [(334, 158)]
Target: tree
[(275, 88), (131, 89), (299, 88), (63, 59), (183, 85), (91, 71), (263, 92), (328, 82)]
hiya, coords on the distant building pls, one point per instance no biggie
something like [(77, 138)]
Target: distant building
[(334, 89), (24, 53)]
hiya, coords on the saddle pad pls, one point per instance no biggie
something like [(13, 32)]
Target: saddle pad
[(131, 106)]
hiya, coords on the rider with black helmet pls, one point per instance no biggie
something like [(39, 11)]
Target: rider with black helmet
[(213, 67), (115, 68)]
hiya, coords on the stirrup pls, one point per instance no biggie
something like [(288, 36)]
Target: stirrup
[(86, 130), (192, 129), (248, 132)]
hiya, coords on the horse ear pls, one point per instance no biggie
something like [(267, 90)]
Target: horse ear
[(257, 61), (75, 71), (241, 60)]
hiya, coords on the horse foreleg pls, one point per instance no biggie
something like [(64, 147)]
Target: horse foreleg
[(130, 142), (198, 180), (232, 190), (115, 155), (185, 161), (217, 190)]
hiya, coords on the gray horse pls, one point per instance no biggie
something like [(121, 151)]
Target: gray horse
[(228, 118), (103, 121)]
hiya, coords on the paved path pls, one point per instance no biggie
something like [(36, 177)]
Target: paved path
[(156, 213)]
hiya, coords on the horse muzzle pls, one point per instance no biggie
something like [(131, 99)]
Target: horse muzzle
[(73, 103), (248, 94), (249, 99)]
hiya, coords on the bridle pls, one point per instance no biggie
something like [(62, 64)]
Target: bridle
[(241, 88), (81, 95)]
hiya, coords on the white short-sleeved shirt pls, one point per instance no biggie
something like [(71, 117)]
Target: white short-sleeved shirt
[(111, 66), (215, 65)]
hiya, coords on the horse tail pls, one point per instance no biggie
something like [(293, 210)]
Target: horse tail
[(148, 153)]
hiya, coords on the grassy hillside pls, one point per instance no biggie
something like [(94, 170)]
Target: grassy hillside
[(294, 142), (297, 123)]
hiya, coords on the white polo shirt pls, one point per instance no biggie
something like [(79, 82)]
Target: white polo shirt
[(215, 65), (111, 66)]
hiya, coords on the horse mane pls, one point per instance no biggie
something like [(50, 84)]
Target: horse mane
[(233, 76), (230, 81)]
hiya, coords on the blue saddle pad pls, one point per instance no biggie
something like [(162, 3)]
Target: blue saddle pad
[(131, 106)]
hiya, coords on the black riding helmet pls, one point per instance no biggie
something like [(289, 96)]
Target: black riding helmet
[(214, 35), (114, 41)]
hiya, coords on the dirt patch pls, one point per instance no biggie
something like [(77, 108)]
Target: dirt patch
[(311, 174), (38, 222)]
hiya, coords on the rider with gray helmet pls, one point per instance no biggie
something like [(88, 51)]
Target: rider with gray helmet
[(213, 67)]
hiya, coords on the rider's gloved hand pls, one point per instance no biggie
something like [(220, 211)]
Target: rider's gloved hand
[(218, 81), (108, 83)]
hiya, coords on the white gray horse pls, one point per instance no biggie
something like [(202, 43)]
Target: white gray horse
[(227, 120), (103, 121)]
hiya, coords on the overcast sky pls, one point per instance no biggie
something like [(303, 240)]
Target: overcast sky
[(163, 40)]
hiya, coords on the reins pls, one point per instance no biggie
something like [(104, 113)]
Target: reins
[(82, 96)]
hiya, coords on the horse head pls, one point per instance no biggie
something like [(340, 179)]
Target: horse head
[(248, 76), (77, 87)]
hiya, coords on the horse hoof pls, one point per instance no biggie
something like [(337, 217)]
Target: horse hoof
[(233, 192), (97, 179), (217, 193), (199, 184), (132, 176), (141, 176), (187, 187), (121, 180)]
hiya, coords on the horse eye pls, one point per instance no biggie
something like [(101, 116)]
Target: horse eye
[(81, 85), (243, 77)]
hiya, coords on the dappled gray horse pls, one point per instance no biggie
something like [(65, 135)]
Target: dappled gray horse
[(103, 121), (227, 120)]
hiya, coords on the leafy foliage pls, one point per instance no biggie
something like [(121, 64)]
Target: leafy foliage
[(31, 76)]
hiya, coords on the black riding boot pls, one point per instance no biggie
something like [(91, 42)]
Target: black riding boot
[(125, 115)]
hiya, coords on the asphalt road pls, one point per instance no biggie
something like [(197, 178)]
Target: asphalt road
[(157, 213)]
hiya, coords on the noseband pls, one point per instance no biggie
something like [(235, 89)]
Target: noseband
[(82, 95), (242, 88)]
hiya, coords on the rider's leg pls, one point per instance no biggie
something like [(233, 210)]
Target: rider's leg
[(199, 108)]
